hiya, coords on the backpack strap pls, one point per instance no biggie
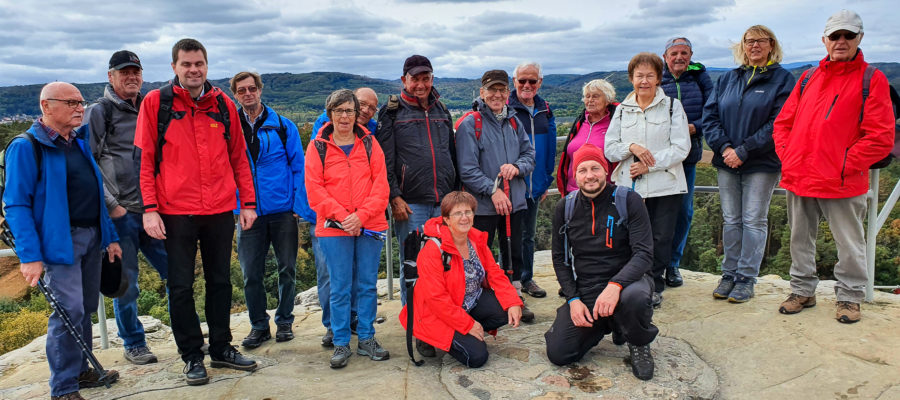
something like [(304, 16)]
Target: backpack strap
[(477, 116), (806, 75), (569, 207), (321, 148), (867, 81), (282, 132), (225, 115), (514, 124), (163, 118), (621, 204)]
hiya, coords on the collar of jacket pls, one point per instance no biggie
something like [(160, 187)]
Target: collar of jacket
[(271, 117), (478, 105), (513, 102), (631, 100), (41, 132), (693, 68), (435, 227), (433, 97), (843, 67), (209, 91), (110, 94)]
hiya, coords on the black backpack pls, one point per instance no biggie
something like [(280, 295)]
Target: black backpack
[(619, 201), (165, 116), (895, 105), (38, 157), (411, 247)]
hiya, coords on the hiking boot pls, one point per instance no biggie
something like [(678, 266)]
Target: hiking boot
[(726, 284), (340, 357), (796, 303), (370, 348), (532, 289), (91, 378), (656, 299), (673, 277), (848, 312), (195, 372), (284, 333), (743, 290), (140, 355), (527, 315), (641, 361), (328, 339), (68, 396), (256, 338), (231, 358), (425, 349)]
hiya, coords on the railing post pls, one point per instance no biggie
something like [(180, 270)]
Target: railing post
[(101, 318), (388, 255), (871, 234)]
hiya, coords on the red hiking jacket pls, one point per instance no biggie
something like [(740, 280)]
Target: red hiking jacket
[(439, 294), (199, 171), (825, 151), (346, 184)]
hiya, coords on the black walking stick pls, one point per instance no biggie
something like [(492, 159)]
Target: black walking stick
[(7, 237), (508, 268)]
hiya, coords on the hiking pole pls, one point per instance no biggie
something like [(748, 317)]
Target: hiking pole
[(509, 268), (7, 237)]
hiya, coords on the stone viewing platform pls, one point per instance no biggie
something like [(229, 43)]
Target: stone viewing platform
[(707, 349)]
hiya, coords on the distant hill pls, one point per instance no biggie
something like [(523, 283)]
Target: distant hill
[(302, 96)]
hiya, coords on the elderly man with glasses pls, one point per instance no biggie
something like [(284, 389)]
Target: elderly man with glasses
[(827, 135)]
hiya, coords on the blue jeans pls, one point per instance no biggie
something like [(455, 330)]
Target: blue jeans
[(132, 238), (323, 282), (529, 221), (352, 259), (685, 215), (280, 231), (77, 288), (745, 210), (420, 214)]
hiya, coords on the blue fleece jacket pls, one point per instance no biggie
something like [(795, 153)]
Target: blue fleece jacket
[(35, 207), (540, 126)]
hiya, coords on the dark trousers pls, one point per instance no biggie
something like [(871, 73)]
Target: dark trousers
[(467, 349), (496, 224), (633, 318), (663, 213), (529, 226), (214, 233), (280, 231)]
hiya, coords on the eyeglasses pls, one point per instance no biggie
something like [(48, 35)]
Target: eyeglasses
[(834, 37), (751, 42), (459, 214), (343, 111), (73, 104), (494, 90), (365, 106), (251, 89), (529, 81)]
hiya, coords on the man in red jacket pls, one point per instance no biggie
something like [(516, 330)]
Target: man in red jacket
[(190, 169), (827, 135)]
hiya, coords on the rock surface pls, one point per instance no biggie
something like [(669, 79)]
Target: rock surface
[(706, 350)]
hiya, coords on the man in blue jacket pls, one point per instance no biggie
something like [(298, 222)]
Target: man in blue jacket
[(276, 161), (690, 83), (62, 237), (536, 117)]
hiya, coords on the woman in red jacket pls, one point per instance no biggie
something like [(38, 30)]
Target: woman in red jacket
[(453, 308), (346, 184)]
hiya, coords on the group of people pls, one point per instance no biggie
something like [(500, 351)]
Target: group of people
[(164, 171)]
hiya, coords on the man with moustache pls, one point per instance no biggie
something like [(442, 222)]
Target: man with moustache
[(111, 121), (53, 202), (191, 168), (610, 286)]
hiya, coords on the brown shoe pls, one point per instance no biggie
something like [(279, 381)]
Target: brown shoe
[(796, 303), (91, 378), (68, 396), (848, 312)]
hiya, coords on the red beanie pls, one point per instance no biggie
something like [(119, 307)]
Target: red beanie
[(589, 152)]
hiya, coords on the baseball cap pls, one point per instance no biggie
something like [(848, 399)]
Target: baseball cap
[(844, 20), (124, 58), (494, 76), (416, 64)]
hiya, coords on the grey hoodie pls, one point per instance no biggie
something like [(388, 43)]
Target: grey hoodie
[(479, 160), (115, 151)]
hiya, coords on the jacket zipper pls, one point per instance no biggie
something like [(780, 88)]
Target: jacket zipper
[(844, 165), (531, 175), (832, 106), (593, 220), (433, 160)]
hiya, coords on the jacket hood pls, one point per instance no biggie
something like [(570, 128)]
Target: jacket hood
[(435, 227), (433, 97), (272, 118), (513, 101), (110, 94), (478, 105)]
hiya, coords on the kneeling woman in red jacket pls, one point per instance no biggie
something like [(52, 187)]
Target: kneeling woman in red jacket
[(454, 308)]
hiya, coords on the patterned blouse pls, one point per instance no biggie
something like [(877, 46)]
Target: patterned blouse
[(474, 278)]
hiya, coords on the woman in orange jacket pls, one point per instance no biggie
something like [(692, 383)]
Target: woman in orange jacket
[(346, 183), (455, 306)]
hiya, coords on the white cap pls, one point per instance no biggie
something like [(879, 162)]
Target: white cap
[(844, 20)]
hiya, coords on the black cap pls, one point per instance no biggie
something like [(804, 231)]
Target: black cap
[(416, 64), (124, 58), (494, 76)]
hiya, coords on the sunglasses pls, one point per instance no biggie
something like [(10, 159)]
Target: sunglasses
[(834, 37), (531, 81), (251, 89)]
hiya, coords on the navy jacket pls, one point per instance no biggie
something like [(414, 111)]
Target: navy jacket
[(36, 208), (541, 130), (740, 114), (278, 169), (693, 88)]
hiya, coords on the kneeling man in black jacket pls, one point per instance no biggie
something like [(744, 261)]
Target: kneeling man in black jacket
[(606, 279)]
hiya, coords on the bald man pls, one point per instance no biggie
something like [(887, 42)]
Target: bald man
[(46, 166)]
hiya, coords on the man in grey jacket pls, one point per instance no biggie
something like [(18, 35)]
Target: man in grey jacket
[(492, 149), (111, 123)]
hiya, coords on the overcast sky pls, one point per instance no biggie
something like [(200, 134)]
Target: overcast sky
[(49, 40)]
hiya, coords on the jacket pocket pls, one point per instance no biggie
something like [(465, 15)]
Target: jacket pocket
[(832, 107), (844, 163)]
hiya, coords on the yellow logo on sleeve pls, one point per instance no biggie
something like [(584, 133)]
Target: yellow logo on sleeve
[(214, 125)]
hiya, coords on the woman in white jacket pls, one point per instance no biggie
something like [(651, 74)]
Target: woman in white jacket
[(649, 138)]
